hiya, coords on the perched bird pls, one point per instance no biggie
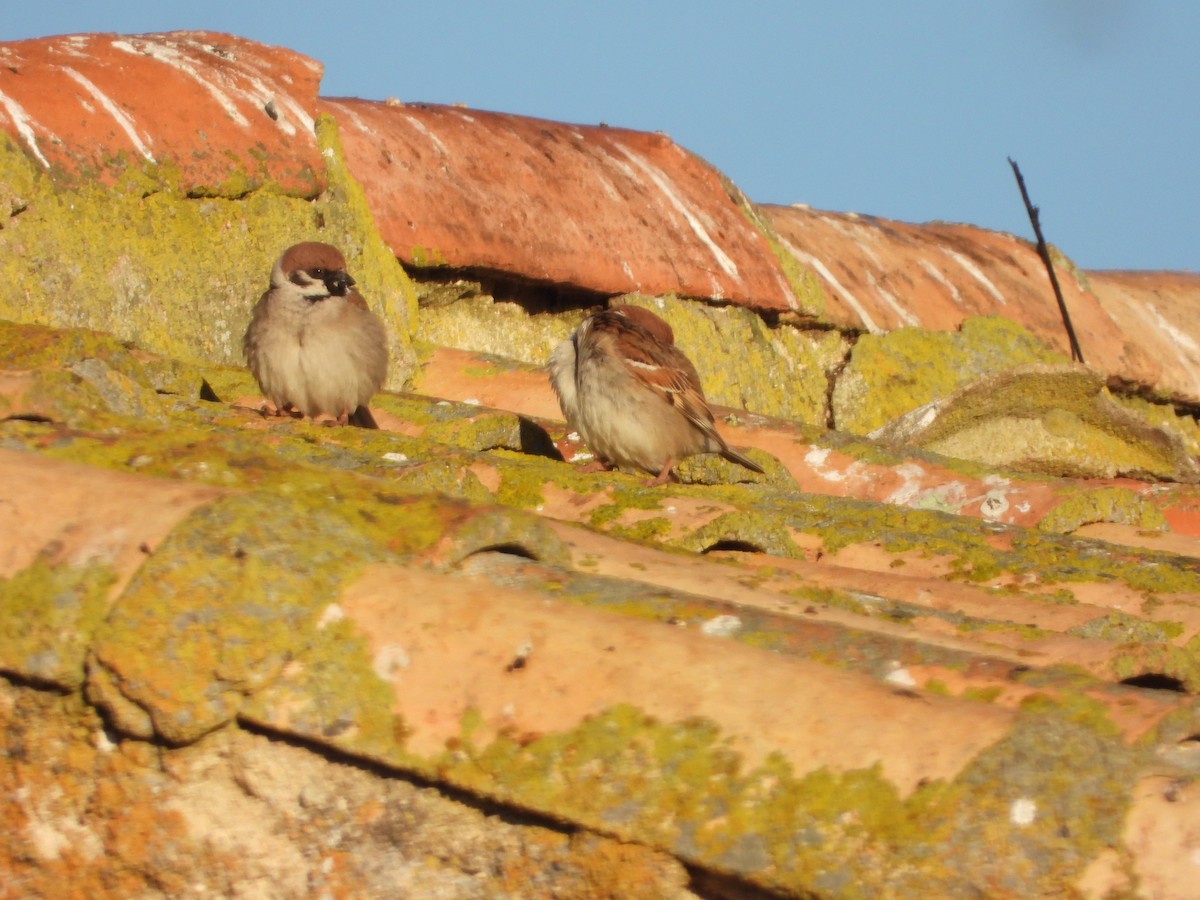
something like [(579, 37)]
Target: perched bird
[(632, 395), (313, 345)]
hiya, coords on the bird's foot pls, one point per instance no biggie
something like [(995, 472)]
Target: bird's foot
[(596, 465), (662, 477), (269, 410)]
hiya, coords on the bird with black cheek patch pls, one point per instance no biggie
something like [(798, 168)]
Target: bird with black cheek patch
[(633, 396), (314, 346)]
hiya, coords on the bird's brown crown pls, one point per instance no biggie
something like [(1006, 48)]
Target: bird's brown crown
[(659, 329), (311, 255)]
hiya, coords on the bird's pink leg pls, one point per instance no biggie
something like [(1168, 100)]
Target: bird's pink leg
[(269, 410), (664, 476), (596, 465)]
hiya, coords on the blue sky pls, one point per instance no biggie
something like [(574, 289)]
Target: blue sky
[(906, 110)]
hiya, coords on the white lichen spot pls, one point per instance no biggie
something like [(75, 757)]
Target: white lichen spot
[(994, 505), (722, 626), (907, 493), (900, 677), (816, 456), (390, 659), (817, 459), (394, 457), (472, 401), (521, 656), (292, 669), (331, 614), (1022, 812)]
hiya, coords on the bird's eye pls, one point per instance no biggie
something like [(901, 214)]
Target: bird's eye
[(318, 274)]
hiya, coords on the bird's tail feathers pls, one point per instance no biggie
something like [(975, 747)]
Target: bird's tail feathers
[(362, 418), (733, 456)]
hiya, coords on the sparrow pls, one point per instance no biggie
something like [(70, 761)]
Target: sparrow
[(313, 345), (632, 395)]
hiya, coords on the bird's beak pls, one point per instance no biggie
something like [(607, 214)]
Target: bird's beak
[(338, 283)]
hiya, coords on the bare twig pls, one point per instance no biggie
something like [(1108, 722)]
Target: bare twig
[(1044, 252)]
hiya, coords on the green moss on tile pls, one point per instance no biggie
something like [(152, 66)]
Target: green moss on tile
[(983, 694), (387, 287), (48, 614), (232, 595), (892, 373), (746, 364), (1160, 659), (805, 286), (748, 527), (1054, 420), (937, 686), (483, 324), (174, 271), (332, 695), (1182, 424), (426, 258), (1122, 628), (1107, 504), (682, 787)]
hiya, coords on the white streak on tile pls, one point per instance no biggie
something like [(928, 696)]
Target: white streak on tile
[(975, 272), (119, 116), (24, 126), (821, 269), (663, 183)]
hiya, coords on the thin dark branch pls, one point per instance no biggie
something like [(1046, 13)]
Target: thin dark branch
[(1044, 252)]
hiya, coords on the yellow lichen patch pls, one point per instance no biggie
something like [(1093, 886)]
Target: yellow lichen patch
[(479, 322), (890, 374), (745, 363), (680, 786), (1052, 420), (1110, 504), (178, 273), (805, 286), (231, 596), (48, 615)]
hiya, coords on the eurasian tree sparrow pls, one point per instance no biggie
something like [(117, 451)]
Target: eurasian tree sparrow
[(632, 395), (314, 346)]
